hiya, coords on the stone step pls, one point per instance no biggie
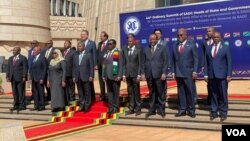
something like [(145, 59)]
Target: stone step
[(25, 117), (30, 106), (168, 124), (243, 114), (198, 118), (26, 112)]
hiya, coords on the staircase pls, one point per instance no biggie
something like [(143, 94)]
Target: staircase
[(6, 103), (239, 113)]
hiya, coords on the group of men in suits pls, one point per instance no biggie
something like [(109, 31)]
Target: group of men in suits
[(130, 64)]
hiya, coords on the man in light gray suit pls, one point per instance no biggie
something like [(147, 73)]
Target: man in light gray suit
[(90, 47), (184, 68), (112, 73)]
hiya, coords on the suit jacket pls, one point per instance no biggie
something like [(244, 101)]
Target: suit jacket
[(108, 69), (220, 66), (186, 63), (69, 61), (132, 64), (38, 69), (91, 49), (100, 53), (50, 57), (165, 45), (19, 70), (85, 69), (30, 58), (156, 64), (204, 48)]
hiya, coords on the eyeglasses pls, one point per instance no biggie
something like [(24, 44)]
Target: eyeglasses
[(48, 43), (180, 35), (32, 43), (54, 53), (110, 44)]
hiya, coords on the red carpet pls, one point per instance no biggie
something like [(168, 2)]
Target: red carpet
[(79, 119)]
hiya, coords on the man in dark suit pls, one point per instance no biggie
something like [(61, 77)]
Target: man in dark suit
[(17, 74), (101, 51), (68, 54), (185, 65), (155, 64), (218, 72), (207, 44), (37, 74), (132, 63), (33, 44), (90, 47), (83, 74), (162, 42), (48, 53), (112, 73)]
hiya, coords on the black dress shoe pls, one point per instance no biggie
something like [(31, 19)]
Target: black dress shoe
[(213, 116), (150, 114), (109, 114), (86, 110), (129, 112), (179, 114), (21, 108), (191, 114), (162, 114), (41, 109), (81, 110), (138, 113), (34, 109), (223, 118), (14, 108)]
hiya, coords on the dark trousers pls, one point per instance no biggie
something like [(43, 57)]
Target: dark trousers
[(84, 94), (186, 94), (113, 88), (133, 88), (101, 83), (209, 93), (219, 100), (48, 98), (38, 94), (18, 88), (92, 91), (69, 90), (157, 99)]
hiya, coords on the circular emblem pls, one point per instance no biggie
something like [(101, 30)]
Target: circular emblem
[(238, 43), (132, 25)]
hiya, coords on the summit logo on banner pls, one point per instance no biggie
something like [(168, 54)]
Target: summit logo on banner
[(132, 25)]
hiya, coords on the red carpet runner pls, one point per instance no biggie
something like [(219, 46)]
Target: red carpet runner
[(80, 120)]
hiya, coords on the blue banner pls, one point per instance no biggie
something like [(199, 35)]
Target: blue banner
[(231, 18)]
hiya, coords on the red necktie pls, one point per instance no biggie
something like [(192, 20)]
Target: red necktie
[(181, 48), (65, 53), (103, 46), (14, 60), (215, 51)]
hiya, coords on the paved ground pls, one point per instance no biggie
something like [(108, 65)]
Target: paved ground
[(133, 133)]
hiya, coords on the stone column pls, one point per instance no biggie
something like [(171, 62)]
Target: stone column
[(70, 8), (76, 9), (22, 22), (64, 7)]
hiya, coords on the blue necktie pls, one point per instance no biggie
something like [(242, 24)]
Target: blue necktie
[(80, 58)]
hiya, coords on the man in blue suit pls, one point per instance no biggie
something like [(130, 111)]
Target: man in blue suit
[(90, 47), (185, 65), (207, 44), (33, 44), (154, 70), (218, 72)]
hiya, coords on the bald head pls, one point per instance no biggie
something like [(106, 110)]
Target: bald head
[(182, 34)]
